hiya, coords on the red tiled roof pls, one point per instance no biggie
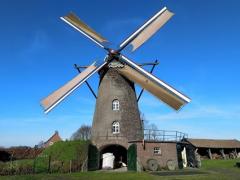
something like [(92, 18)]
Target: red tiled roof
[(54, 138)]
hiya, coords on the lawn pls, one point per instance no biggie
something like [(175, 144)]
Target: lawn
[(211, 169)]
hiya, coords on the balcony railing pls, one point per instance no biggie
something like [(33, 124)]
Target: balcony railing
[(146, 134), (163, 135)]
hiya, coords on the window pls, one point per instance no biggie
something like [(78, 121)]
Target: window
[(115, 105), (157, 151), (115, 127)]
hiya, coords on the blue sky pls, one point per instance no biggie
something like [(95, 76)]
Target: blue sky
[(198, 50)]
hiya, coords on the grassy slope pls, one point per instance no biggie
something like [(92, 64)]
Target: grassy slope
[(68, 150), (215, 169), (62, 152)]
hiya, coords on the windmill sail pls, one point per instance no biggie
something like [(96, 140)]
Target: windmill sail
[(60, 94), (160, 89), (148, 29), (79, 25)]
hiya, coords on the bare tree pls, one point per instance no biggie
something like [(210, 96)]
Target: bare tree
[(40, 144), (149, 130), (144, 121), (154, 129), (83, 133)]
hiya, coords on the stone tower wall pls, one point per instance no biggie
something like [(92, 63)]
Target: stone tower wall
[(114, 86)]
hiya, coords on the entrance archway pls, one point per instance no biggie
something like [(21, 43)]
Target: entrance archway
[(119, 152)]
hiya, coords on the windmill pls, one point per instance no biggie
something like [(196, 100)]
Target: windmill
[(118, 74)]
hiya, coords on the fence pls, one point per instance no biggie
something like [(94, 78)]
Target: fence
[(42, 164)]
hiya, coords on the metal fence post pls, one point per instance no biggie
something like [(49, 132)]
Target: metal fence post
[(149, 134), (163, 135)]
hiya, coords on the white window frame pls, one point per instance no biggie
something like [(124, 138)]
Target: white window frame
[(115, 105), (115, 127), (157, 151)]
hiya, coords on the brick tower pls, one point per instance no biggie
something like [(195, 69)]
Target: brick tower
[(116, 118)]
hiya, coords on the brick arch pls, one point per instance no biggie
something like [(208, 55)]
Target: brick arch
[(109, 142)]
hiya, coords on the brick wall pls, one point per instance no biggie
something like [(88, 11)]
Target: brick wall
[(168, 152), (114, 86)]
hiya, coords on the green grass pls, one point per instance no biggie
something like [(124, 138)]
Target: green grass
[(213, 164), (224, 168), (212, 169), (86, 176), (107, 176), (66, 150)]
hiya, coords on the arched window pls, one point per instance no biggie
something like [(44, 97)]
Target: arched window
[(115, 105), (115, 127)]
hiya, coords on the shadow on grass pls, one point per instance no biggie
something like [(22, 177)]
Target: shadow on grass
[(179, 173)]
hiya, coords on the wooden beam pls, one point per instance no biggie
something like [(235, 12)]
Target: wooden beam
[(209, 153), (222, 153)]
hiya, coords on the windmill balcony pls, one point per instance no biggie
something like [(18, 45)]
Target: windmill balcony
[(163, 135), (148, 135)]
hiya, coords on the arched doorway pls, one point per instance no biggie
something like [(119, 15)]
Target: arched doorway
[(119, 152)]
